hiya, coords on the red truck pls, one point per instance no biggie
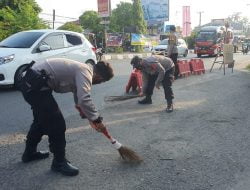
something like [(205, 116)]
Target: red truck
[(210, 40)]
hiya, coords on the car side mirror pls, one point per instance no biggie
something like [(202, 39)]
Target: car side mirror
[(43, 48)]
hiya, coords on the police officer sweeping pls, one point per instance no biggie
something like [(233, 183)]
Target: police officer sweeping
[(156, 70), (59, 75)]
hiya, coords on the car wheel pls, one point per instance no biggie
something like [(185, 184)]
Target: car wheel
[(18, 73), (90, 62)]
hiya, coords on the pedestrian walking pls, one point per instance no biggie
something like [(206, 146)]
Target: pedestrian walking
[(156, 70), (61, 76), (172, 50)]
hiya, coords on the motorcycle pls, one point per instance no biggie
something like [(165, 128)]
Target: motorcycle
[(246, 46), (99, 53)]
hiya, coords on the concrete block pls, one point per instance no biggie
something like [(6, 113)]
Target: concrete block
[(106, 57), (129, 56), (120, 56)]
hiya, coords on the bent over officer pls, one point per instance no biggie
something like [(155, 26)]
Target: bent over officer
[(59, 75), (156, 70)]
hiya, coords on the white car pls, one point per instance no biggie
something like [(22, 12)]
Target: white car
[(23, 47), (163, 45)]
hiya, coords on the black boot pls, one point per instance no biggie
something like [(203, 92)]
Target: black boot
[(31, 156), (170, 108), (146, 100), (64, 167)]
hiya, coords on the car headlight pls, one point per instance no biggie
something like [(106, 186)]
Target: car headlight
[(6, 59)]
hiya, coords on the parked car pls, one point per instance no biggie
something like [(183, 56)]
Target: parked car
[(163, 45), (21, 48)]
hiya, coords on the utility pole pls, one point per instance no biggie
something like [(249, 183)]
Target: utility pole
[(200, 12), (54, 17)]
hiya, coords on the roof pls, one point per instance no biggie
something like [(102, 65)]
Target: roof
[(50, 31)]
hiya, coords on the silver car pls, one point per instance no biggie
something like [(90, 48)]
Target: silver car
[(163, 45)]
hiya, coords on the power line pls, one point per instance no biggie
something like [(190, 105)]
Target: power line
[(48, 14)]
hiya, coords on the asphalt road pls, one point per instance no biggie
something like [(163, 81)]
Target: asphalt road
[(203, 144)]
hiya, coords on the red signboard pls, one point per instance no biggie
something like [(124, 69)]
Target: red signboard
[(114, 39), (103, 7)]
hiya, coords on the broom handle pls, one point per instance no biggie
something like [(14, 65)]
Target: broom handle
[(106, 133)]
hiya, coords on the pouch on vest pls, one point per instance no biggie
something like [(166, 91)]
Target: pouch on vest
[(35, 80)]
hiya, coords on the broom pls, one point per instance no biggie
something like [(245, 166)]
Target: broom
[(119, 98), (126, 153)]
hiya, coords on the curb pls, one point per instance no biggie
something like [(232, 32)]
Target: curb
[(124, 56)]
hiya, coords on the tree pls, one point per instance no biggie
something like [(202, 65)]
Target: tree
[(139, 21), (71, 26), (238, 22), (191, 39), (91, 21), (16, 16), (17, 4), (138, 17), (121, 17)]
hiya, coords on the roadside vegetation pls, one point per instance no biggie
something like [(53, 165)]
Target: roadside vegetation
[(248, 67)]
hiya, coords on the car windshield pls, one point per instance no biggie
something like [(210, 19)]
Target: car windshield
[(206, 36), (164, 42), (21, 40)]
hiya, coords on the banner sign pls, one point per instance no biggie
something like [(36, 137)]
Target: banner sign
[(155, 11), (138, 39), (143, 40), (114, 40), (103, 8)]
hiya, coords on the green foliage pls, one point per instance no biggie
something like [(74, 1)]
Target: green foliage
[(138, 17), (71, 27), (91, 21), (191, 40), (19, 16), (139, 49), (118, 50), (17, 5), (248, 67), (121, 17)]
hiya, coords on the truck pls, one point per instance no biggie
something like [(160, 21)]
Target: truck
[(210, 40)]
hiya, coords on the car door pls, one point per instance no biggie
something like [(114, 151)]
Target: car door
[(78, 49), (56, 44)]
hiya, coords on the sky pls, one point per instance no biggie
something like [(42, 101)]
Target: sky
[(211, 9)]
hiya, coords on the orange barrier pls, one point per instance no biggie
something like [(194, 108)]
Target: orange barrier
[(197, 66), (184, 68), (135, 81)]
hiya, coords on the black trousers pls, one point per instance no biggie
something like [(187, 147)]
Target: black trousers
[(48, 120), (166, 83), (174, 57)]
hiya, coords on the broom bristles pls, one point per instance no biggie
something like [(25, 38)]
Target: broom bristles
[(129, 155)]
